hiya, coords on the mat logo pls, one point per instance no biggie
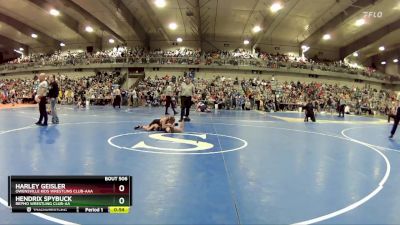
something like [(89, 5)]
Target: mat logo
[(196, 145), (183, 143)]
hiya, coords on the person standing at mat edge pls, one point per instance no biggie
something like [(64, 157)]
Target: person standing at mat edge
[(342, 105), (53, 95), (117, 97), (309, 111), (396, 121), (187, 91), (41, 98), (168, 99)]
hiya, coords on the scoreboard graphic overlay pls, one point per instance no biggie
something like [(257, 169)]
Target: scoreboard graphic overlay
[(70, 194)]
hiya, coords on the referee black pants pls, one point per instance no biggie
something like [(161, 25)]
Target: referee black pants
[(341, 110), (43, 111), (186, 102), (310, 115), (117, 101), (391, 116), (396, 123), (258, 103), (168, 103)]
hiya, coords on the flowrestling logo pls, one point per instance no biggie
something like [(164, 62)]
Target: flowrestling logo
[(373, 14), (183, 143)]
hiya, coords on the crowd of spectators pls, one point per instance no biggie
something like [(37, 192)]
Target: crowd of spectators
[(119, 54), (236, 57), (220, 92), (97, 88), (11, 89), (260, 94)]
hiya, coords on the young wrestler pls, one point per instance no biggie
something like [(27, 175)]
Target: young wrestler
[(170, 128), (157, 124)]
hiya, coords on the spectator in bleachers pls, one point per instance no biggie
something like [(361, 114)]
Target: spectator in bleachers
[(229, 93), (236, 57)]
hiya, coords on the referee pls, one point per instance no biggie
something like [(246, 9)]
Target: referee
[(41, 98), (53, 95), (168, 99), (396, 121), (342, 106), (309, 111), (187, 91), (117, 97)]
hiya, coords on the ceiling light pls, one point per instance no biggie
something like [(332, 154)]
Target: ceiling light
[(383, 62), (326, 37), (395, 60), (355, 54), (111, 41), (179, 39), (172, 26), (54, 12), (62, 44), (397, 7), (276, 7), (382, 48), (246, 42), (89, 29), (34, 35), (15, 50), (305, 48), (160, 3), (21, 49), (360, 22), (256, 29)]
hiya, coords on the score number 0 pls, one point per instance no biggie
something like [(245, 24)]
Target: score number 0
[(121, 188)]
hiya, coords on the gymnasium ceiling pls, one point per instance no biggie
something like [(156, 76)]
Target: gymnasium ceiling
[(205, 21)]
